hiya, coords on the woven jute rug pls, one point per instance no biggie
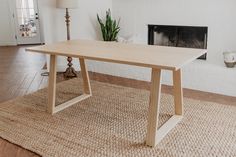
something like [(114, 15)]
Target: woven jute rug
[(113, 123)]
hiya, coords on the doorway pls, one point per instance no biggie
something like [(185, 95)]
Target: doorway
[(27, 22)]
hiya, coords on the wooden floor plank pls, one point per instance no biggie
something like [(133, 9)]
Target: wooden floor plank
[(35, 83)]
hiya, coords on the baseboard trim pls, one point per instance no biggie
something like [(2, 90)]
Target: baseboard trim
[(8, 44)]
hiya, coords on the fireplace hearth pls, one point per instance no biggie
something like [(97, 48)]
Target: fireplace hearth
[(178, 36)]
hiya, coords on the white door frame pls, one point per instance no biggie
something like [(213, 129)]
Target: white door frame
[(27, 40)]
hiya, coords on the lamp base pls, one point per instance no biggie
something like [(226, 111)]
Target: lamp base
[(70, 71)]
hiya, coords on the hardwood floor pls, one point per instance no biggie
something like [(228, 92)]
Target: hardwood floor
[(8, 149), (20, 74)]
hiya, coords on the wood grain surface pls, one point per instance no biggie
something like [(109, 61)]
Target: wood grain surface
[(171, 58)]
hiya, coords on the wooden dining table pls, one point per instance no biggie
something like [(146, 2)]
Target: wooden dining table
[(157, 58)]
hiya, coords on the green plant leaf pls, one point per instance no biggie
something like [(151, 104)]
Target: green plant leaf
[(109, 28)]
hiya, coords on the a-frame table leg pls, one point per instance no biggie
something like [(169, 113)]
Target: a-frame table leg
[(178, 92), (52, 108), (154, 105), (52, 85), (85, 76), (154, 135)]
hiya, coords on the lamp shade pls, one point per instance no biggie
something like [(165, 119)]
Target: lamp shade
[(70, 4)]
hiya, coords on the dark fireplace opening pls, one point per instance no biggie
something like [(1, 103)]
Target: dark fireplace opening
[(178, 36)]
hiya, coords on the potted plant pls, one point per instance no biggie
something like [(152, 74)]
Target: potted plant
[(230, 59), (110, 28)]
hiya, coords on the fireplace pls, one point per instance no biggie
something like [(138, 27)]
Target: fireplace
[(178, 36)]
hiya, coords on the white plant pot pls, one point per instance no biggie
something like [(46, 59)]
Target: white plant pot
[(230, 59)]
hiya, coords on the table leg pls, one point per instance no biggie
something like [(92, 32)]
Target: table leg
[(178, 92), (85, 76), (155, 135), (52, 108), (52, 85), (154, 105)]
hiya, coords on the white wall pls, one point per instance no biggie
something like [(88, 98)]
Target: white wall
[(218, 15), (83, 23), (7, 34)]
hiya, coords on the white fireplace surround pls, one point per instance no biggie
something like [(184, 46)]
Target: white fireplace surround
[(210, 75)]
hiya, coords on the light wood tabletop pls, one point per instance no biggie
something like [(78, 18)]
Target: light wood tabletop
[(162, 57), (155, 57)]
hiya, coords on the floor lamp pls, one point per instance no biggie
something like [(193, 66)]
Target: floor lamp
[(68, 4)]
